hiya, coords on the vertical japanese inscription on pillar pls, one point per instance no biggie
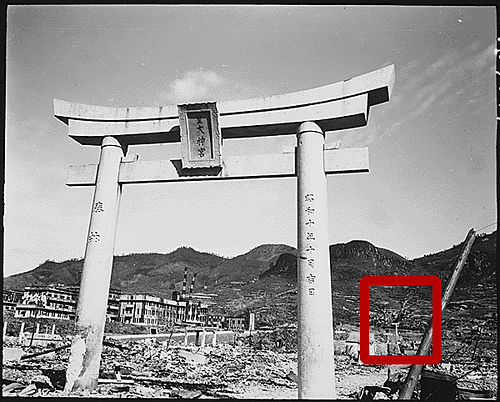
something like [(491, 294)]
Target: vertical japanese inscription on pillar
[(98, 207), (310, 238), (200, 135)]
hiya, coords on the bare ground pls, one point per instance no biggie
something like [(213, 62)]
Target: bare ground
[(155, 370)]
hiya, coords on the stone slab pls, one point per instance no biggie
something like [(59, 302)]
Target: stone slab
[(196, 358), (10, 354), (335, 106), (334, 115), (346, 160)]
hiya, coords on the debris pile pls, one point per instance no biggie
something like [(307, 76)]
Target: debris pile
[(153, 369), (444, 381), (281, 339)]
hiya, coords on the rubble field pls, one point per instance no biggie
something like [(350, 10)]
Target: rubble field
[(153, 369)]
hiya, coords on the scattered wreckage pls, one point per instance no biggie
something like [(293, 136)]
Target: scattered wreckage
[(152, 369), (434, 385), (149, 368)]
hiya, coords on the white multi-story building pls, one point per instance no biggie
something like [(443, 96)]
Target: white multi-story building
[(59, 301), (11, 298), (51, 301), (145, 309)]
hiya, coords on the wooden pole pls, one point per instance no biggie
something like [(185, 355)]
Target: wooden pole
[(411, 379), (477, 341)]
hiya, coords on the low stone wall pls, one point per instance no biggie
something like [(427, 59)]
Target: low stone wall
[(41, 339), (376, 348)]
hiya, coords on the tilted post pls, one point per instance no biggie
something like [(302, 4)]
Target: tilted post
[(316, 368), (411, 379), (83, 369)]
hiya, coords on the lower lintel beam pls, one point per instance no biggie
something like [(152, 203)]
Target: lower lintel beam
[(347, 160)]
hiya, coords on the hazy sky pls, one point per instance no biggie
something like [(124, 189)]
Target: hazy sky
[(432, 146)]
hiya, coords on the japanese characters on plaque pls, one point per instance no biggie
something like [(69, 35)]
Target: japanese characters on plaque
[(310, 238), (200, 136)]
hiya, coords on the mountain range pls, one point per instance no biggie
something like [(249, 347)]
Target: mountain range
[(264, 279)]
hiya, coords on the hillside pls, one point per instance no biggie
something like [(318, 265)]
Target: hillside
[(264, 280), (249, 266), (273, 295), (160, 274), (153, 273)]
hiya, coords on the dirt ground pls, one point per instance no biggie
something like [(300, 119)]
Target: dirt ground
[(154, 369), (349, 382)]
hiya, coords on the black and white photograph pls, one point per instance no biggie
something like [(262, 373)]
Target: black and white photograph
[(213, 201)]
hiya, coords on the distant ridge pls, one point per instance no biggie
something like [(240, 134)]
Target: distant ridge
[(254, 279)]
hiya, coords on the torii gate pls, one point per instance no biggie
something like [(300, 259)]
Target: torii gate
[(201, 128)]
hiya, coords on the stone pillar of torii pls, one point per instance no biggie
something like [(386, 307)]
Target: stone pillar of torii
[(201, 128)]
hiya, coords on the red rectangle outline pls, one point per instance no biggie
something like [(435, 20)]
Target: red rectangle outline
[(364, 312)]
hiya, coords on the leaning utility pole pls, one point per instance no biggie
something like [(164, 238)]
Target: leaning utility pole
[(411, 380)]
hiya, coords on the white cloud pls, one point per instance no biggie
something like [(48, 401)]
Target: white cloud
[(485, 57), (361, 137), (193, 86), (453, 77), (210, 86)]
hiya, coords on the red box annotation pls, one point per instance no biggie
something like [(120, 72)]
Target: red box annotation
[(364, 313)]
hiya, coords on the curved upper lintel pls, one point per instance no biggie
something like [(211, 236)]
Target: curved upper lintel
[(336, 106)]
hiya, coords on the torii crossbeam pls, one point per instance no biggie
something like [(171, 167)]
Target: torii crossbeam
[(201, 129)]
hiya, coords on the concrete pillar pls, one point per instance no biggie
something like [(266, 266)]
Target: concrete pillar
[(37, 331), (21, 333), (214, 339), (316, 367), (83, 368), (53, 329), (203, 335), (185, 337), (4, 329)]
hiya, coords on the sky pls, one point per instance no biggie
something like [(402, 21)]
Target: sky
[(431, 147)]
